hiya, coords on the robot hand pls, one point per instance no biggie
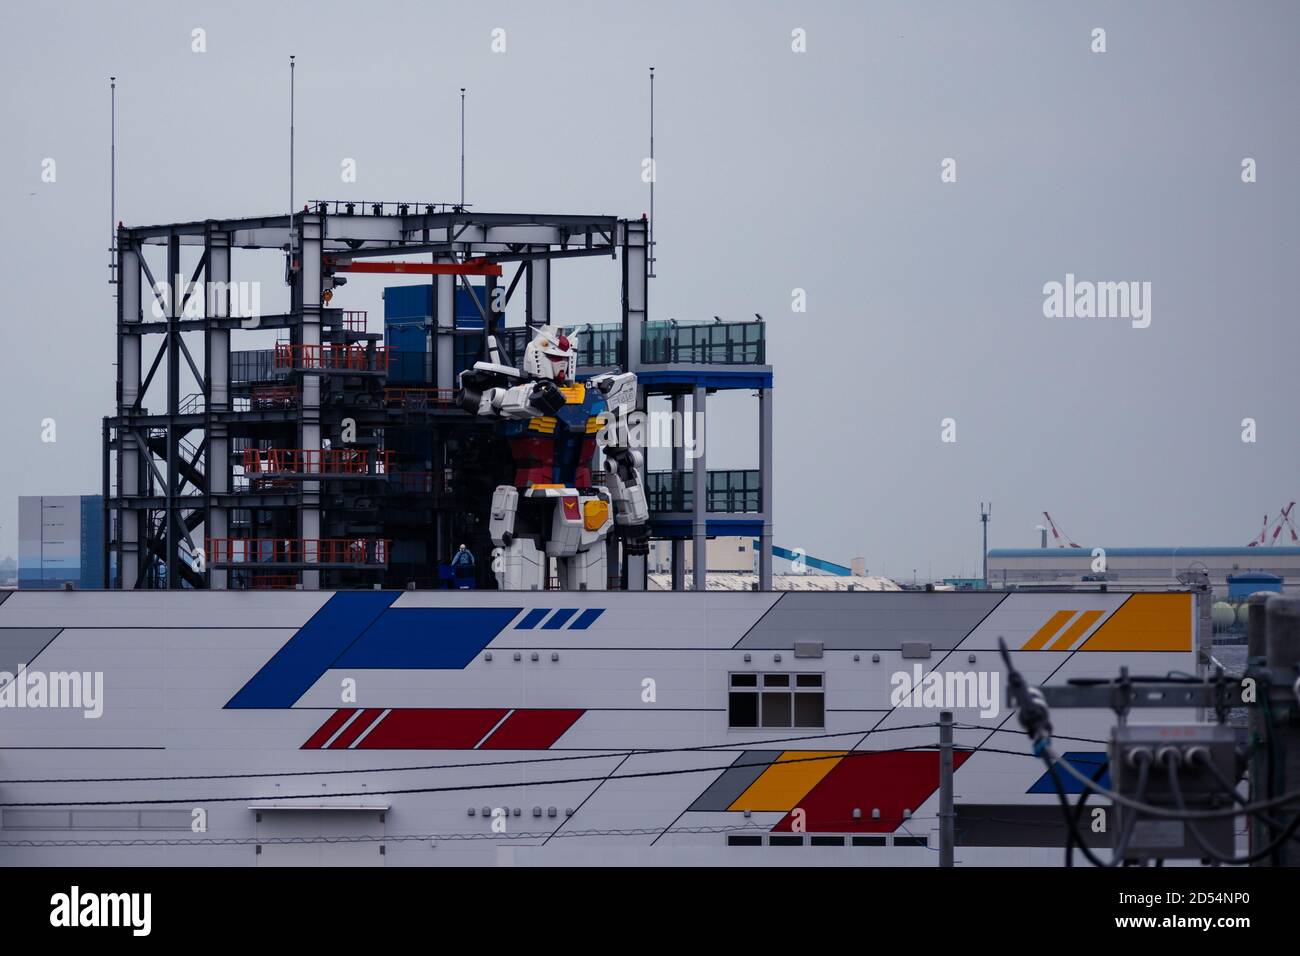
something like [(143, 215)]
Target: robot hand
[(636, 539), (546, 397), (473, 384)]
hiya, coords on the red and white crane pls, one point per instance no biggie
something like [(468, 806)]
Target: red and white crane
[(1058, 536), (1256, 542), (1284, 520)]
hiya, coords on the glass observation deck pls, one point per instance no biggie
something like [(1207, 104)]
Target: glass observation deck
[(663, 343), (734, 491)]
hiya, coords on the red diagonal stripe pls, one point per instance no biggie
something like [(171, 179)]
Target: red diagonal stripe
[(531, 729), (888, 781), (327, 729), (425, 728), (357, 728)]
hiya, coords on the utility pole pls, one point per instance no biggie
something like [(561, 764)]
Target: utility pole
[(947, 822), (462, 147), (1276, 767), (985, 511)]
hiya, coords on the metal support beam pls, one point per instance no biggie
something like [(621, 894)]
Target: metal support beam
[(130, 520), (537, 305), (700, 494), (444, 317), (216, 359), (635, 577), (309, 430), (765, 488), (171, 518), (679, 468), (636, 294)]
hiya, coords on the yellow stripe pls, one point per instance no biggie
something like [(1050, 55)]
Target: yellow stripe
[(1044, 633), (543, 424), (1086, 620), (1146, 622), (574, 394), (782, 785)]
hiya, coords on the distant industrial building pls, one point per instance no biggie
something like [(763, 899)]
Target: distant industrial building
[(1127, 567), (728, 553), (60, 541), (733, 566)]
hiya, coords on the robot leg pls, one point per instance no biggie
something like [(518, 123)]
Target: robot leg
[(518, 563), (584, 570), (520, 566)]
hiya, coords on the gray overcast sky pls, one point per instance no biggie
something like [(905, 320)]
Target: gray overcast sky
[(818, 170)]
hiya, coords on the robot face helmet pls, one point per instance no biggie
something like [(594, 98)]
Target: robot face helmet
[(552, 355)]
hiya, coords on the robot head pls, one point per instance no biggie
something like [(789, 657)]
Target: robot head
[(552, 354)]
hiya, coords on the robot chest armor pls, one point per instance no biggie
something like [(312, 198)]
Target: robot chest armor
[(581, 415)]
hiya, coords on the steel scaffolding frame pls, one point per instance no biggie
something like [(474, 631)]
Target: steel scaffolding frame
[(169, 473)]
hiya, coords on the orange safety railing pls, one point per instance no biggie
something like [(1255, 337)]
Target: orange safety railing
[(273, 396), (307, 461), (347, 358), (354, 321), (258, 551), (419, 397)]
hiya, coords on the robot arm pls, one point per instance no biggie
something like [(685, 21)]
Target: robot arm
[(484, 393), (624, 478)]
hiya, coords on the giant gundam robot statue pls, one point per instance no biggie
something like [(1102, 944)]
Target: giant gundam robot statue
[(558, 506)]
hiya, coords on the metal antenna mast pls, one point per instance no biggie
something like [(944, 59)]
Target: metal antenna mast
[(112, 180), (654, 174), (291, 97), (462, 147)]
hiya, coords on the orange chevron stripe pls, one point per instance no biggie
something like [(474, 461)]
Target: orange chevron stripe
[(1044, 633), (1076, 630)]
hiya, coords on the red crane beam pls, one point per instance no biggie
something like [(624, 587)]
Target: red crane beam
[(470, 267)]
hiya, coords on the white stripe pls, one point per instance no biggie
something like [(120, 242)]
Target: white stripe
[(335, 736), (373, 724), (494, 728)]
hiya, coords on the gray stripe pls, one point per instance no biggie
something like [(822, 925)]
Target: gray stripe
[(20, 645), (871, 621), (734, 781)]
